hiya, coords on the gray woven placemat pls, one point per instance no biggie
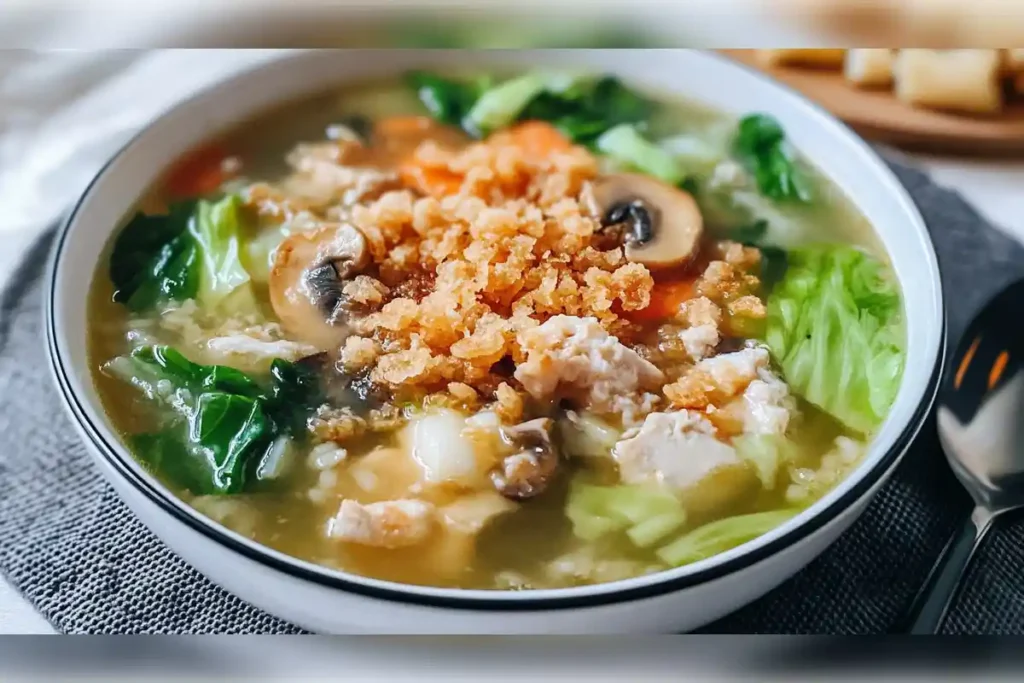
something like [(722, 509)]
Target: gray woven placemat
[(74, 550)]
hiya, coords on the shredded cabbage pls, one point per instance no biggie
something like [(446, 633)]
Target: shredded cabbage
[(696, 155), (648, 532), (597, 511), (501, 105), (217, 229), (626, 145), (766, 453), (724, 534), (834, 326)]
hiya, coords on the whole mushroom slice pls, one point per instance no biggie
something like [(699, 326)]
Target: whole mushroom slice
[(307, 281), (663, 223), (528, 471)]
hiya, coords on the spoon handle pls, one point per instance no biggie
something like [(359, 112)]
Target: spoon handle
[(934, 600)]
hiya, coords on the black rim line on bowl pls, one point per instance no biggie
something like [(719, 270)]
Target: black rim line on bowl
[(178, 509)]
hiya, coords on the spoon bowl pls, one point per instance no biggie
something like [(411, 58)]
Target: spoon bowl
[(980, 404)]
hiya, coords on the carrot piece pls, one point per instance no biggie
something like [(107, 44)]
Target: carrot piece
[(539, 138), (199, 172), (666, 298), (434, 182)]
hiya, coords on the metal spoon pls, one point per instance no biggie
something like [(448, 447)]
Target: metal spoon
[(981, 428)]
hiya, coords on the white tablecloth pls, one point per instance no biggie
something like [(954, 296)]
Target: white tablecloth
[(62, 114)]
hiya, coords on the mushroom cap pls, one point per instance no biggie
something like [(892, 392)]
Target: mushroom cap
[(528, 471), (307, 278), (676, 222)]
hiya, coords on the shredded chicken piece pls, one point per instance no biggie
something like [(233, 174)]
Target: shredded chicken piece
[(680, 450), (387, 524), (577, 356), (322, 177), (713, 381)]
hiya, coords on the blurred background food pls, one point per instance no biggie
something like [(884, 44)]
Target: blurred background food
[(937, 24), (964, 80), (957, 100)]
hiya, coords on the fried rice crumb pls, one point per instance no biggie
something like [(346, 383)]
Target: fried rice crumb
[(507, 251), (508, 404)]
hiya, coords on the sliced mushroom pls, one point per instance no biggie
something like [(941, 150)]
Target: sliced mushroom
[(663, 225), (528, 471), (307, 281)]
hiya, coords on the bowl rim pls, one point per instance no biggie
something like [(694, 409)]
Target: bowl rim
[(661, 583)]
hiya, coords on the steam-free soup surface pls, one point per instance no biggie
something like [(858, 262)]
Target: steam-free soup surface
[(497, 331)]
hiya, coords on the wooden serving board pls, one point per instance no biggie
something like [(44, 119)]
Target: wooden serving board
[(878, 115)]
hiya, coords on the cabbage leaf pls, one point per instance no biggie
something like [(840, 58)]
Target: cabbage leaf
[(191, 252), (721, 535), (228, 428), (217, 228), (626, 145), (646, 514), (835, 328)]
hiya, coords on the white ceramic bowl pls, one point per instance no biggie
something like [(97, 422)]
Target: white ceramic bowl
[(327, 600)]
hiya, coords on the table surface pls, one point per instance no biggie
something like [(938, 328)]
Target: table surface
[(995, 188)]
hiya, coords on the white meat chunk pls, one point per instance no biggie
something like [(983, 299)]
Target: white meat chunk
[(763, 409), (576, 357), (322, 176), (731, 373), (679, 451), (703, 318), (386, 524), (252, 350), (767, 405), (469, 514)]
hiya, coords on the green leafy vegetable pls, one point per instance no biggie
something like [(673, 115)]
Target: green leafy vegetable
[(217, 228), (835, 327), (581, 107), (228, 430), (596, 511), (294, 394), (590, 107), (650, 531), (624, 144), (155, 259), (184, 374), (724, 534), (448, 100), (502, 105), (231, 428), (766, 453), (762, 147), (167, 454), (192, 252)]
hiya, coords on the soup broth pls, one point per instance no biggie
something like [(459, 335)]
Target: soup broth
[(512, 332)]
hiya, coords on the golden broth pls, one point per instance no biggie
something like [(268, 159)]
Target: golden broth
[(518, 550)]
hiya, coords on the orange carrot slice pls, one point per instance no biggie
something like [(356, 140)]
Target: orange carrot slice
[(666, 298), (434, 182), (538, 138)]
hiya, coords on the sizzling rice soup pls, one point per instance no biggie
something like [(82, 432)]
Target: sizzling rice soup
[(501, 332)]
